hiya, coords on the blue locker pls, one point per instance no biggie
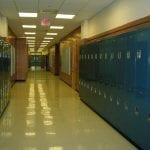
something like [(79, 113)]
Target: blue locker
[(112, 61), (130, 62), (100, 62), (142, 61), (81, 72), (4, 75), (118, 83), (106, 60), (121, 46)]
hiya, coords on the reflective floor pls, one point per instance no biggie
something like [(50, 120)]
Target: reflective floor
[(46, 114)]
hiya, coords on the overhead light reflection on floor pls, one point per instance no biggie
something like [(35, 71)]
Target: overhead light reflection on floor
[(6, 134), (31, 113), (50, 133), (56, 148), (30, 134), (48, 122)]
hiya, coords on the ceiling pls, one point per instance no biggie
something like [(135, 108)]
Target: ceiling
[(83, 9)]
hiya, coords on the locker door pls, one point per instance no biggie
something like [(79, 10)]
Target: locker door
[(81, 72), (95, 50), (100, 63), (142, 60), (130, 62), (142, 105)]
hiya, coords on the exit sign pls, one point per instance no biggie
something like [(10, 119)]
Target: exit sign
[(45, 22)]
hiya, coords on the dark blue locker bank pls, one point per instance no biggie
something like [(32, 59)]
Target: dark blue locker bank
[(116, 83), (5, 66)]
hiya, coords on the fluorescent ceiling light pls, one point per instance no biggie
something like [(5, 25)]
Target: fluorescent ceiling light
[(65, 16), (29, 26), (30, 37), (31, 49), (45, 41), (56, 27), (23, 14), (48, 38), (32, 33), (40, 49), (31, 45), (51, 33), (31, 41)]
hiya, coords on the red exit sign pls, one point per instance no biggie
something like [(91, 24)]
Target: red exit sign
[(45, 22)]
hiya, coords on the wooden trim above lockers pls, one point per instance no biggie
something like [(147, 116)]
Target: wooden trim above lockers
[(143, 22)]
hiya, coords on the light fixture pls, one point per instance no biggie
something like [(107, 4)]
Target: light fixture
[(51, 33), (30, 37), (32, 33), (48, 38), (25, 14), (31, 45), (65, 16), (45, 41), (56, 27), (29, 26), (32, 49), (40, 49), (31, 41)]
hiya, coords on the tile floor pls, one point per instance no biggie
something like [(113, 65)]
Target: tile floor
[(46, 114)]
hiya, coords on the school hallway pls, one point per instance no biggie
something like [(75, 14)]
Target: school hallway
[(44, 113)]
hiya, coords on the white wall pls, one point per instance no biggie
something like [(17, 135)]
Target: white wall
[(3, 26), (118, 13), (65, 55)]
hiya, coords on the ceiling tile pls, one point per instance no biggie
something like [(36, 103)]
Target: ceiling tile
[(27, 5), (83, 9)]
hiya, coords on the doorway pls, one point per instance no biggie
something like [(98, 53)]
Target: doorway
[(35, 62)]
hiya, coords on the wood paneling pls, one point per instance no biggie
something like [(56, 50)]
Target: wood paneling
[(66, 78), (21, 59), (55, 56), (72, 41), (43, 61), (57, 59)]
